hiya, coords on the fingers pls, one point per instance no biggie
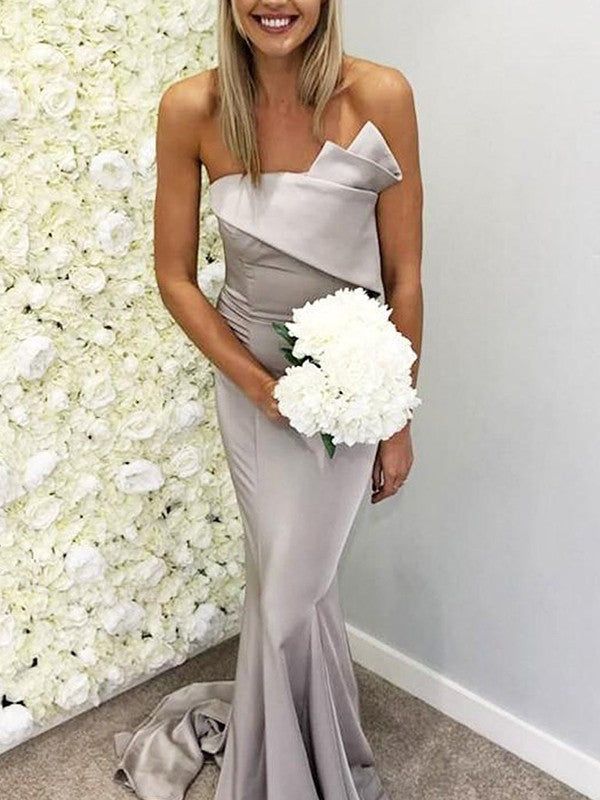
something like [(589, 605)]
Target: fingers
[(276, 415), (377, 475), (391, 484)]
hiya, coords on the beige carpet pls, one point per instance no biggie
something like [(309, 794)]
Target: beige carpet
[(421, 754)]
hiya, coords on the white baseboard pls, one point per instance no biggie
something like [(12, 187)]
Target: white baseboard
[(574, 768)]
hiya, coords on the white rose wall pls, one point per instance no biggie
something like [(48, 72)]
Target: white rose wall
[(121, 550)]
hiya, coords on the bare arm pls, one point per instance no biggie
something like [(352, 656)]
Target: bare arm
[(399, 216), (399, 222), (176, 238)]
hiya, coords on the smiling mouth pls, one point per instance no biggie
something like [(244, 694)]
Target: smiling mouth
[(275, 23)]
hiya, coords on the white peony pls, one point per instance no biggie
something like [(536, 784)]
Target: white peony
[(122, 617), (7, 629), (10, 488), (140, 475), (67, 161), (10, 104), (19, 415), (201, 14), (76, 615), (97, 391), (150, 571), (175, 26), (16, 723), (74, 691), (88, 280), (58, 97), (14, 239), (84, 563), (147, 154), (111, 170), (130, 533), (38, 467), (33, 356), (11, 394), (87, 655), (139, 426), (85, 484), (185, 462), (58, 256), (42, 54), (113, 483), (302, 396), (111, 18), (115, 675), (202, 620), (7, 534), (211, 277), (115, 233), (188, 415), (41, 512), (352, 378)]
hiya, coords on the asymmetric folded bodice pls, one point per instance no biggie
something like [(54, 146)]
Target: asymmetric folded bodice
[(323, 217)]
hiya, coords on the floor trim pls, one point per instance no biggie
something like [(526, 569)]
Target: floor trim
[(574, 768)]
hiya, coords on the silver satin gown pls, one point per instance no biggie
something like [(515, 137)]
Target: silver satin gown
[(288, 727)]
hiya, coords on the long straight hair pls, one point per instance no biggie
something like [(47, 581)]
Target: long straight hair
[(319, 75)]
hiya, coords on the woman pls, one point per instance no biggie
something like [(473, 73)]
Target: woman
[(300, 217)]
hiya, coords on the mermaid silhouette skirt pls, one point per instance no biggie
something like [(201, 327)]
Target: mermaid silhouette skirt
[(288, 727)]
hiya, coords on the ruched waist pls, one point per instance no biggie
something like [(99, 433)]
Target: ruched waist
[(267, 290), (234, 307)]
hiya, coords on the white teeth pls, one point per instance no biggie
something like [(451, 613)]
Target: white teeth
[(279, 22)]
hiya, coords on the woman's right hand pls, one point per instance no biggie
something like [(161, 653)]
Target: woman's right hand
[(267, 403)]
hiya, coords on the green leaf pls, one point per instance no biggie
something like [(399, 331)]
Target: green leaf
[(328, 442), (287, 352), (282, 330)]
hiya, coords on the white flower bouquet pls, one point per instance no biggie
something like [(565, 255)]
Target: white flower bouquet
[(350, 378)]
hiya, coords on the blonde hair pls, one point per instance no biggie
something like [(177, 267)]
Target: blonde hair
[(320, 74)]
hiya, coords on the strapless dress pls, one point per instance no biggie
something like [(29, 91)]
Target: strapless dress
[(288, 727)]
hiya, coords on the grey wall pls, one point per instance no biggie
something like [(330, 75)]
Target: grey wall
[(486, 566)]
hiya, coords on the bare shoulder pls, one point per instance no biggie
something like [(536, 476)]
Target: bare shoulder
[(379, 91), (189, 104), (382, 94), (195, 95)]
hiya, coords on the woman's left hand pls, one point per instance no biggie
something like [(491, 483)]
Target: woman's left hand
[(392, 464)]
